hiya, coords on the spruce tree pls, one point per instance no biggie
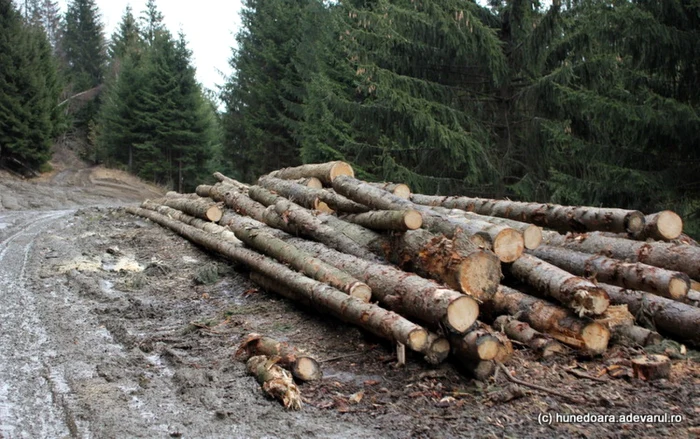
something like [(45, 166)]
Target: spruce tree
[(84, 45)]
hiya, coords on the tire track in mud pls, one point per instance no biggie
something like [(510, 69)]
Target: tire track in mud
[(27, 400)]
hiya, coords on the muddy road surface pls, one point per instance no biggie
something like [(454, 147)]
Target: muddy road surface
[(112, 327)]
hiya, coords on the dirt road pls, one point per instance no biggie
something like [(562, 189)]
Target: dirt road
[(111, 326)]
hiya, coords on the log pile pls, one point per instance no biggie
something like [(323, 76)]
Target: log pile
[(430, 273)]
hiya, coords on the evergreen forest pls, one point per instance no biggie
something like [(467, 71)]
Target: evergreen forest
[(593, 102)]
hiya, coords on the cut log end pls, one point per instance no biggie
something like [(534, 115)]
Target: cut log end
[(418, 340), (532, 237), (403, 191), (323, 207), (651, 367), (595, 337), (360, 291), (634, 223), (462, 313), (678, 287), (488, 347), (438, 351), (313, 183), (341, 168), (508, 245), (591, 302), (214, 214), (669, 225), (413, 220), (480, 274), (307, 369)]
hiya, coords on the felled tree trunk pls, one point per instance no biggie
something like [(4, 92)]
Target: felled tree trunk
[(303, 367), (677, 257), (554, 320), (576, 293), (399, 189), (243, 188), (397, 220), (275, 381), (532, 234), (632, 275), (667, 315), (405, 293), (663, 226), (326, 172), (476, 345), (553, 216), (544, 345), (307, 197), (200, 208), (372, 318), (620, 322), (254, 234), (179, 215)]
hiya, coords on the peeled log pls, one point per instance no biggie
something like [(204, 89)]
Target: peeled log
[(632, 275), (668, 316), (544, 345), (399, 189), (253, 233), (275, 381), (303, 367), (553, 216), (405, 293), (306, 196), (676, 257), (326, 172), (383, 323), (200, 208), (663, 226), (551, 319), (576, 293), (398, 220)]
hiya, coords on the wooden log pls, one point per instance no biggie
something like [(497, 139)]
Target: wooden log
[(312, 182), (326, 172), (663, 226), (576, 293), (438, 351), (532, 234), (408, 294), (480, 370), (676, 257), (476, 345), (651, 367), (179, 215), (303, 367), (308, 197), (620, 322), (200, 208), (397, 220), (275, 381), (254, 234), (668, 316), (459, 264), (554, 320), (544, 345), (632, 275), (507, 243), (383, 323), (553, 216), (241, 187), (399, 189)]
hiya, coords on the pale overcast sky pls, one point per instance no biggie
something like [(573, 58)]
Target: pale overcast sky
[(210, 27)]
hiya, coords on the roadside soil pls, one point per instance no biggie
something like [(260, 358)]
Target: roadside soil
[(114, 327)]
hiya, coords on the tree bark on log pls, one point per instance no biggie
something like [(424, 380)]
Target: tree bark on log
[(397, 220), (666, 315), (308, 197), (544, 345), (303, 367), (326, 172), (438, 351), (399, 189), (383, 323), (312, 182), (676, 257), (632, 275), (476, 345), (532, 234), (207, 226), (405, 293), (620, 322), (254, 234), (200, 208), (460, 265), (240, 187), (663, 226), (275, 381), (576, 293), (553, 216), (554, 320)]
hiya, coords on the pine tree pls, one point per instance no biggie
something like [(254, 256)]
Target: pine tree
[(84, 45), (127, 36), (28, 92)]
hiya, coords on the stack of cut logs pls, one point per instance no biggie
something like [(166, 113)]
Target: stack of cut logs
[(425, 272)]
